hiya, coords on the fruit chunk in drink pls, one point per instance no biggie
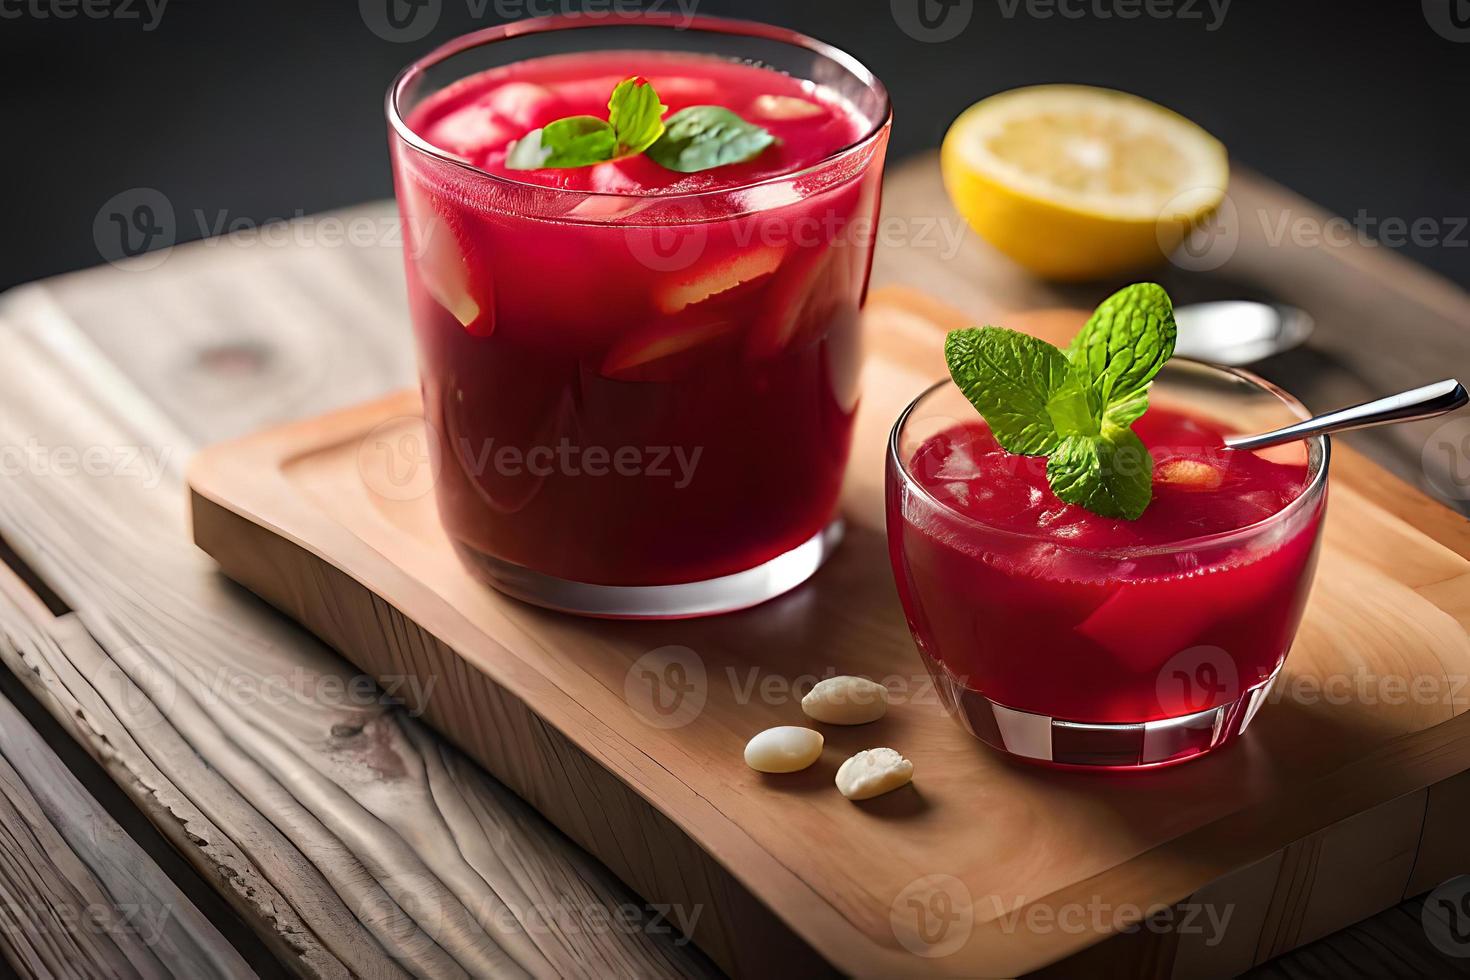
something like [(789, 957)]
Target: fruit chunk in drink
[(1035, 605), (636, 376)]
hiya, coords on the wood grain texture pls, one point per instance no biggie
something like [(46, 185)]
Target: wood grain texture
[(78, 898), (1333, 778), (222, 339), (355, 842), (1390, 944)]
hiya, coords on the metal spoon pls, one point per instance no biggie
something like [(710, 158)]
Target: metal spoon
[(1406, 406), (1239, 332)]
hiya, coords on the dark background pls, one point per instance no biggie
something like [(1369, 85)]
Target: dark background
[(261, 110)]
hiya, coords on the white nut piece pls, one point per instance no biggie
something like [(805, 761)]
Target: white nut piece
[(846, 701), (785, 748), (873, 772)]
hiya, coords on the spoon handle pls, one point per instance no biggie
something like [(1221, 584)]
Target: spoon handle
[(1418, 403)]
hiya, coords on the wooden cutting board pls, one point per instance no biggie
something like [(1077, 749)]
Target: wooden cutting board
[(628, 736)]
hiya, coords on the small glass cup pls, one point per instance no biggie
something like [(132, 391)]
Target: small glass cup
[(1121, 659), (599, 451)]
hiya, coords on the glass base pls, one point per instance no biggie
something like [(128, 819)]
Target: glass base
[(1090, 745), (685, 600)]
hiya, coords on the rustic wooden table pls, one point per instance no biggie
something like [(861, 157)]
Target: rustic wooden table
[(242, 803)]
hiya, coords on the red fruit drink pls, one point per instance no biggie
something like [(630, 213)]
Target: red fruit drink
[(636, 377), (1025, 607)]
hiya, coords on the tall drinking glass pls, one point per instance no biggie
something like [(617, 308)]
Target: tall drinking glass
[(640, 385)]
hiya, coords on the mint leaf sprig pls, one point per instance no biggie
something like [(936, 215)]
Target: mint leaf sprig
[(703, 137), (697, 138), (634, 121), (1075, 407)]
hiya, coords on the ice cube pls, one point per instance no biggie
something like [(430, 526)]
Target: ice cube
[(605, 179), (1051, 517), (785, 107), (611, 178), (716, 277), (468, 131), (958, 493), (769, 197), (958, 465), (1046, 560), (585, 91), (523, 104), (683, 88), (609, 208)]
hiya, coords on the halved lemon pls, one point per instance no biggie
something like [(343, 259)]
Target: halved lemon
[(1075, 182)]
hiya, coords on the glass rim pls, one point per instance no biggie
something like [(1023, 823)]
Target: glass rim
[(1312, 491), (583, 21)]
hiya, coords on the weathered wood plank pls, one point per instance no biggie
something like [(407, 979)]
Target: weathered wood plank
[(283, 775), (1390, 944), (78, 897), (224, 338)]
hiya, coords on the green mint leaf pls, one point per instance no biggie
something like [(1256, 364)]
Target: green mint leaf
[(1110, 474), (1127, 411), (1014, 380), (700, 137), (1076, 408), (703, 137), (575, 141), (1124, 344), (636, 116)]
